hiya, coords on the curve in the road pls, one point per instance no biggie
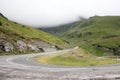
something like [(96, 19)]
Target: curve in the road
[(24, 62)]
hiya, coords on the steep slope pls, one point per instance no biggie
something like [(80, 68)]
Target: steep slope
[(16, 36), (99, 35)]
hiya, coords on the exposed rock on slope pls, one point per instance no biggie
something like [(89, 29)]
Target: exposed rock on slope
[(21, 46), (6, 46), (16, 38)]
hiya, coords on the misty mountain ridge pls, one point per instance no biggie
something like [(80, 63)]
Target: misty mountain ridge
[(60, 29), (99, 35)]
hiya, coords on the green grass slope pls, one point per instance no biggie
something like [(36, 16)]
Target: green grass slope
[(99, 35), (13, 31), (59, 30)]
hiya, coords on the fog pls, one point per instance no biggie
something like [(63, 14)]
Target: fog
[(47, 13)]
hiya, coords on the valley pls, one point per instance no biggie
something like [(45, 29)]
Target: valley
[(87, 49)]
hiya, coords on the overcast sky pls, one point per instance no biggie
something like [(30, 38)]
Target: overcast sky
[(54, 12)]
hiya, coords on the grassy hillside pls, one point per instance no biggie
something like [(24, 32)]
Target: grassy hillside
[(99, 35), (59, 30), (98, 39), (13, 31)]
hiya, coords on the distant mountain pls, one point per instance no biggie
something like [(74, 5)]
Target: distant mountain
[(59, 30), (99, 35), (17, 38)]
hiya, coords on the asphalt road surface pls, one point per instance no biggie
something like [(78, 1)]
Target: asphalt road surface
[(23, 67)]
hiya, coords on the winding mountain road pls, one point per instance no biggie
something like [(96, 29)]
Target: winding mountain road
[(22, 67)]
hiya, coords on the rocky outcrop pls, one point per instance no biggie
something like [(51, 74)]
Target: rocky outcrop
[(32, 48), (21, 46), (52, 48), (6, 46), (114, 50), (33, 45), (41, 46)]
